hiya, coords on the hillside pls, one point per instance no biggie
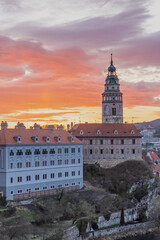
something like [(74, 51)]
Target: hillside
[(154, 123)]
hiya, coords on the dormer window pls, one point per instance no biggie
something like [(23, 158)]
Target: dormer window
[(115, 131), (81, 132), (71, 138), (98, 132), (35, 139), (132, 132), (17, 139), (47, 139), (58, 139)]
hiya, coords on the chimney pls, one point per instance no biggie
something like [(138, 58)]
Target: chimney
[(68, 127), (51, 127), (4, 125), (36, 126), (60, 127), (71, 125), (20, 125)]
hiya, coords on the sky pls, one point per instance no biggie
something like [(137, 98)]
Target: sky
[(54, 57)]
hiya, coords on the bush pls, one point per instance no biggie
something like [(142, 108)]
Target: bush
[(3, 201), (140, 192), (9, 212)]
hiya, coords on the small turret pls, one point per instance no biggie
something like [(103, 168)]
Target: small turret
[(4, 125)]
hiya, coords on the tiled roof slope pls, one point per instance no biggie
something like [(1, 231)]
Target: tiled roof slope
[(7, 136), (153, 156), (105, 130)]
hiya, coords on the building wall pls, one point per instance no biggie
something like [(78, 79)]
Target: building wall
[(19, 172), (109, 152)]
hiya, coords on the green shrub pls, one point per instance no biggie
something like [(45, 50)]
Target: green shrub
[(9, 212), (3, 201)]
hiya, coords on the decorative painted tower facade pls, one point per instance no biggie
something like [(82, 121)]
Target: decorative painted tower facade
[(112, 103)]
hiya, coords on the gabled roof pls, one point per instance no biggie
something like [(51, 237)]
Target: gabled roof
[(7, 137), (106, 130), (153, 156)]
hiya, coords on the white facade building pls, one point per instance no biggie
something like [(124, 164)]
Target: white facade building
[(35, 162)]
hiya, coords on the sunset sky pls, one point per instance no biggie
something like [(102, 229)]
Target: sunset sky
[(54, 56)]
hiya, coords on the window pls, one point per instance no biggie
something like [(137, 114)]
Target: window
[(28, 164), (28, 152), (112, 142), (11, 153), (59, 174), (66, 174), (81, 132), (113, 111), (66, 161), (79, 172), (122, 151), (98, 132), (73, 184), (90, 151), (36, 177), (101, 142), (36, 163), (52, 151), (37, 189), (115, 132), (44, 163), (112, 151), (19, 179), (122, 141), (79, 160), (37, 152), (44, 176), (51, 162), (11, 165), (44, 188), (11, 192), (73, 173), (60, 185), (19, 191), (52, 175), (11, 180), (72, 150), (90, 142), (19, 152), (133, 141), (132, 132), (101, 151), (19, 165), (66, 150), (28, 190), (28, 178), (59, 150), (79, 150), (44, 151), (59, 162), (133, 151), (66, 184), (52, 186), (73, 161)]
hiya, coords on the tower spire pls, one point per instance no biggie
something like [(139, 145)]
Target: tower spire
[(111, 60)]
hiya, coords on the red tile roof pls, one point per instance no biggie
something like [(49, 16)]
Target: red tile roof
[(7, 136), (105, 130), (156, 168), (153, 156)]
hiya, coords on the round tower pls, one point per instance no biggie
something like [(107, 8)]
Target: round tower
[(112, 102)]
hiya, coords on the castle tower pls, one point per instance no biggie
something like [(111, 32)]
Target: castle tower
[(112, 103)]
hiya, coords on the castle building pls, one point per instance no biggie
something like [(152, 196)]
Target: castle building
[(112, 102), (110, 142), (36, 162)]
